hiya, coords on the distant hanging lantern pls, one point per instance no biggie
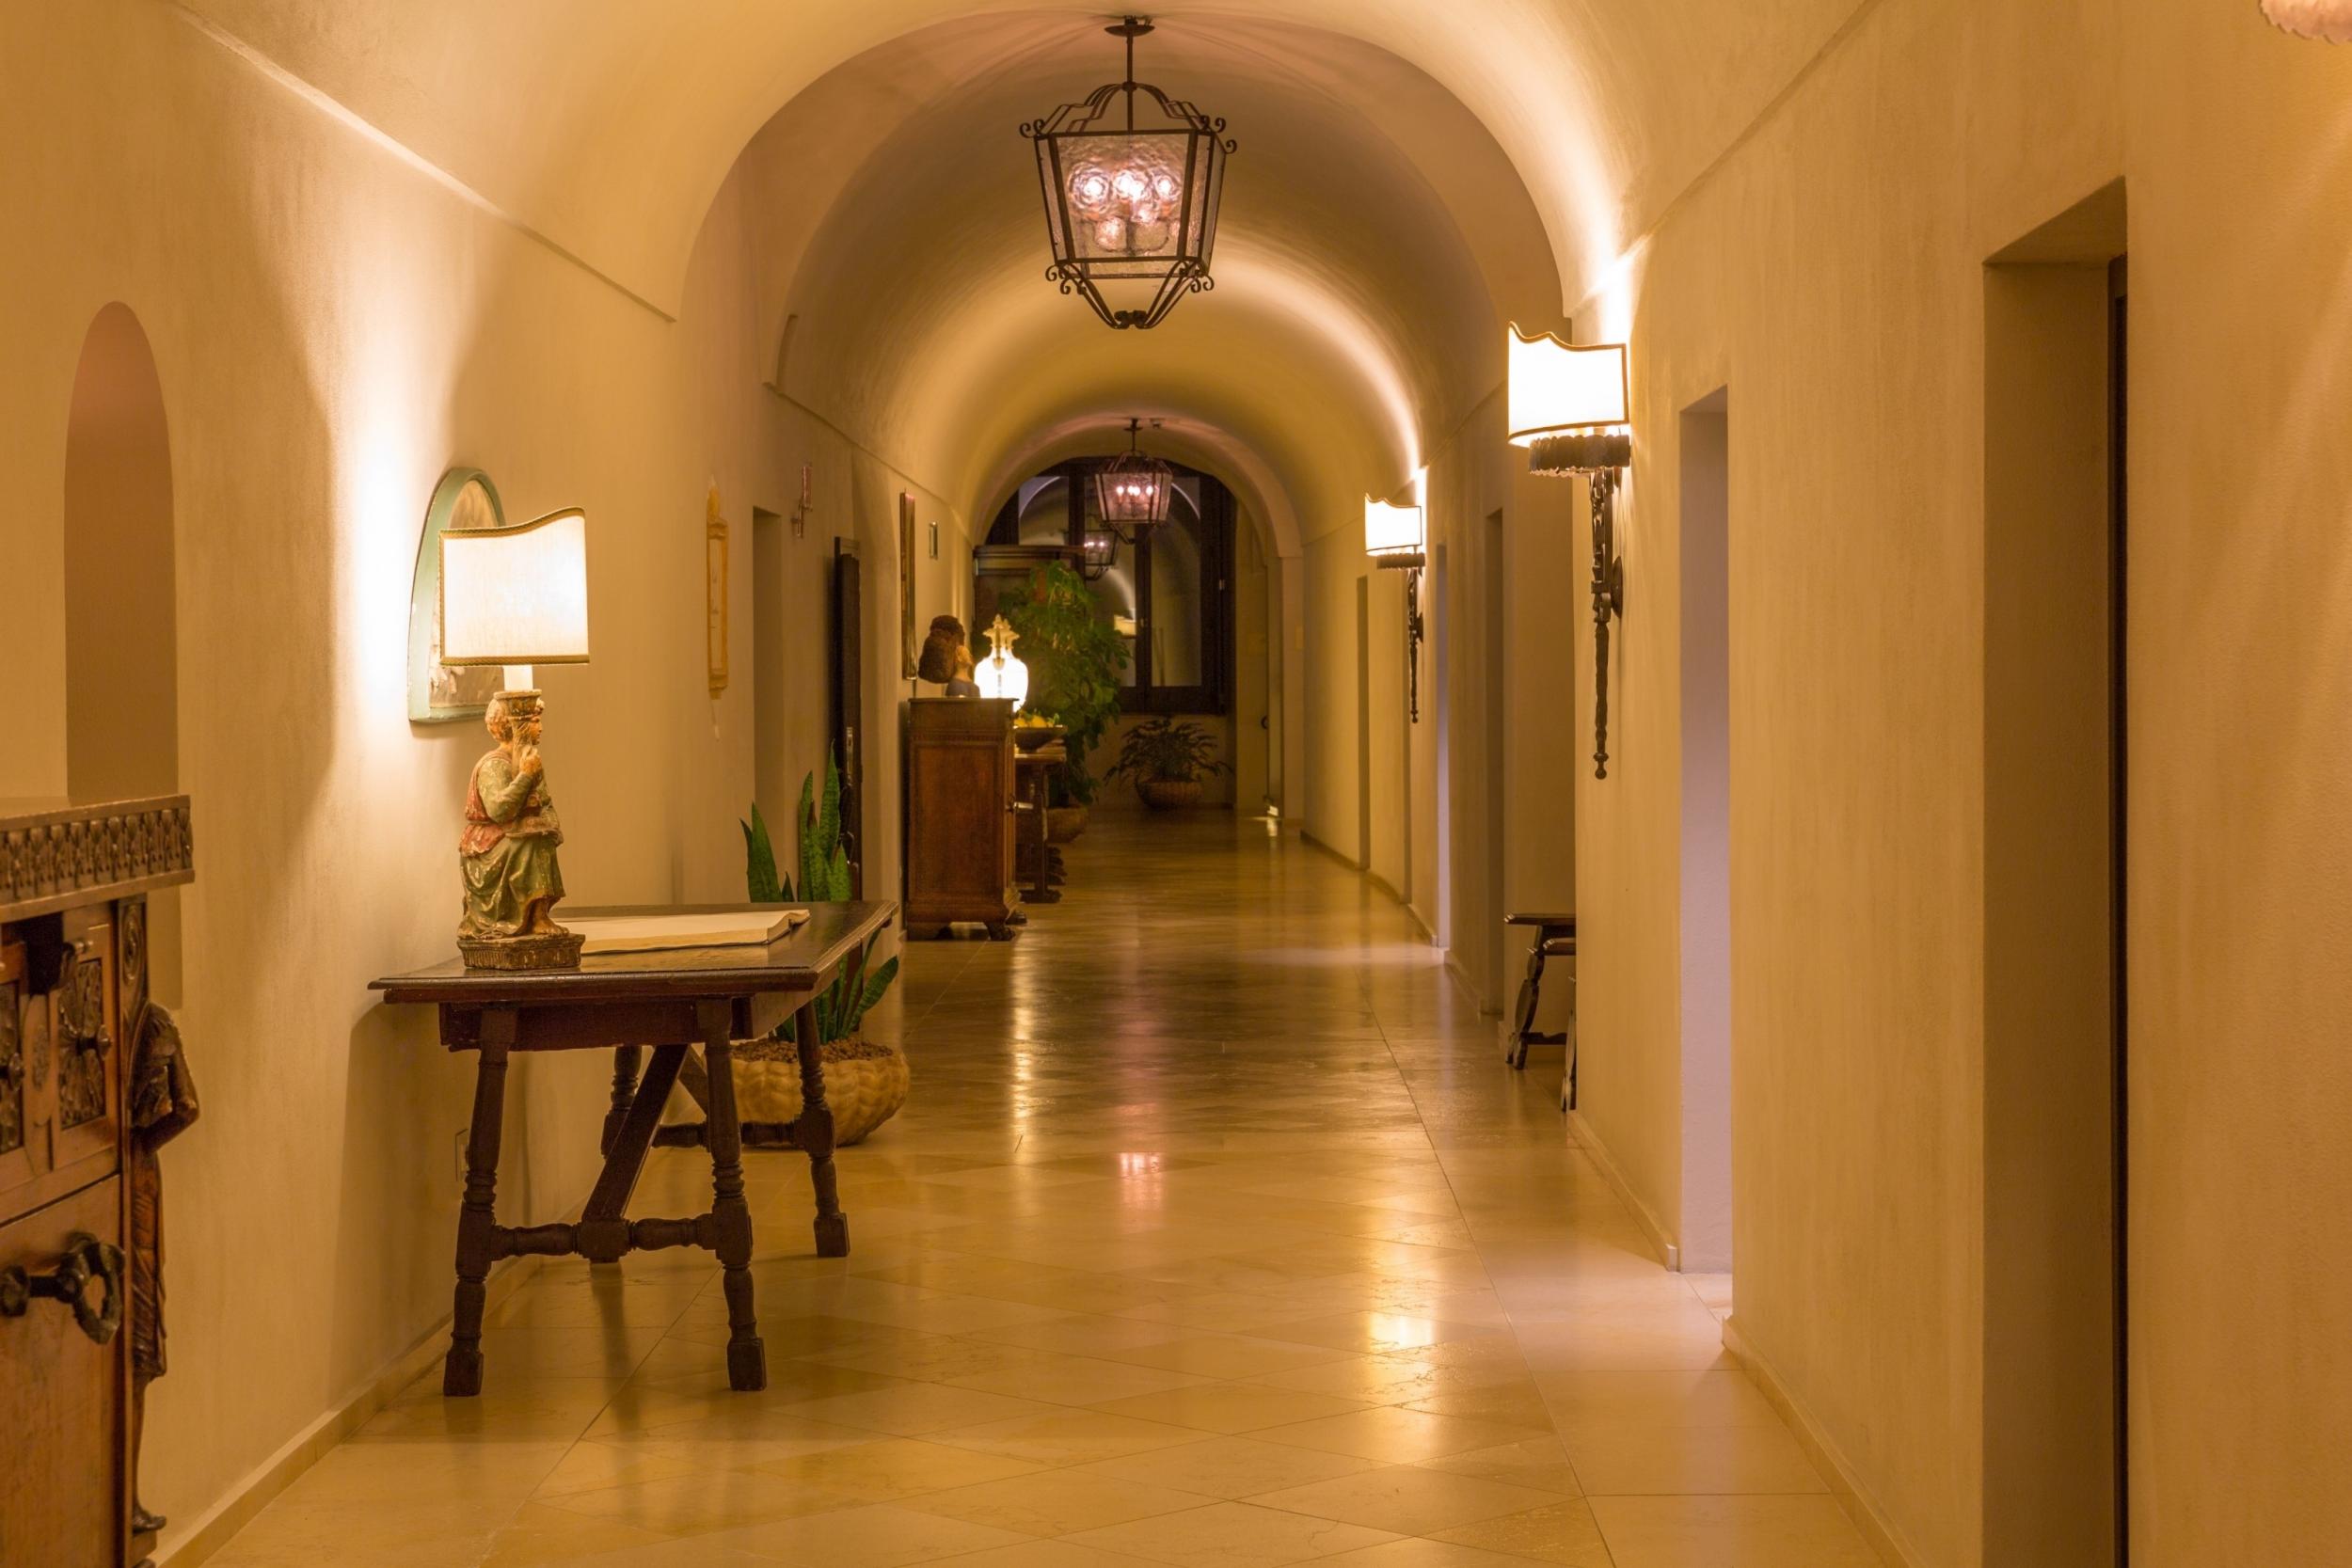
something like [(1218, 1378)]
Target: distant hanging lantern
[(1098, 552), (1131, 490), (1131, 203)]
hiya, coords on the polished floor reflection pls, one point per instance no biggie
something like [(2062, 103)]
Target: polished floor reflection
[(1215, 1235)]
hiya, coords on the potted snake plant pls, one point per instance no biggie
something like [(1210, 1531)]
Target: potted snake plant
[(1165, 759), (866, 1081)]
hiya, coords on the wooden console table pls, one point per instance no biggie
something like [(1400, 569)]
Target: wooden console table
[(671, 1001)]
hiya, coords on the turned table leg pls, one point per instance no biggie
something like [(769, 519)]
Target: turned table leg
[(477, 1221), (814, 1133), (625, 1060), (1524, 1014), (730, 1215)]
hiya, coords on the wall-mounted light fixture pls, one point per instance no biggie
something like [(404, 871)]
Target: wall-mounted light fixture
[(1568, 406), (2327, 21), (1395, 537)]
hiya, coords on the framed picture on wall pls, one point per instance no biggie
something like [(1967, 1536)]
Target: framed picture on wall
[(909, 644), (439, 694)]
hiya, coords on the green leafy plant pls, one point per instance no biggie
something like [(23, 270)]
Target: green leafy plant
[(824, 879), (1167, 750), (1075, 658)]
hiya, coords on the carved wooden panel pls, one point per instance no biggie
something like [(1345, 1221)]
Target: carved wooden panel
[(84, 1044), (12, 1073), (63, 858)]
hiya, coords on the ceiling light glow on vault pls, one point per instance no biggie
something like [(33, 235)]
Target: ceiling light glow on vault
[(2328, 20), (1128, 203)]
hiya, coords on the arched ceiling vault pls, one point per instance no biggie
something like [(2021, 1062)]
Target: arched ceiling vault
[(1373, 240), (1410, 174)]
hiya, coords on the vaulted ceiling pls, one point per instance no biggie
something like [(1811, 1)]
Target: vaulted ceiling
[(1410, 175)]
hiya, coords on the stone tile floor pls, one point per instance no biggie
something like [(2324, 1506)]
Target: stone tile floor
[(1215, 1235)]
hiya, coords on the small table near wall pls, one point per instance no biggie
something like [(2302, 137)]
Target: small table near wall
[(1039, 863), (671, 1001)]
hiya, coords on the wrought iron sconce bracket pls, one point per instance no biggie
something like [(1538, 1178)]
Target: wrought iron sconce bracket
[(1416, 626), (1601, 459)]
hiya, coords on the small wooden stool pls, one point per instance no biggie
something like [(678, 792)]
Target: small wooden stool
[(1555, 937)]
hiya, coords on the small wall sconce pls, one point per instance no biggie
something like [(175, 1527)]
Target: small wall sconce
[(1568, 406), (1395, 537), (2325, 21), (807, 501)]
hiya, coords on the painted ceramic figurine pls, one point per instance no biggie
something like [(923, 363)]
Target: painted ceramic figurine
[(507, 850)]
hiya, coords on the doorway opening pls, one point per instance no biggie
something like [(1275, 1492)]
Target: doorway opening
[(121, 623), (1363, 723), (2055, 755), (1704, 1234)]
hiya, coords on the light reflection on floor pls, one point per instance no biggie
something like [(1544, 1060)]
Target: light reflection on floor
[(1215, 1236)]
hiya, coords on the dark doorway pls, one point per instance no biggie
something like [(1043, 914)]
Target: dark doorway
[(2056, 757), (845, 690)]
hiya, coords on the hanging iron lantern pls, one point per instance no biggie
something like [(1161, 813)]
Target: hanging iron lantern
[(1098, 552), (1129, 202), (1131, 491)]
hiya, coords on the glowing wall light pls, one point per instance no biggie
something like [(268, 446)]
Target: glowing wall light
[(1395, 537), (1570, 405), (2327, 21)]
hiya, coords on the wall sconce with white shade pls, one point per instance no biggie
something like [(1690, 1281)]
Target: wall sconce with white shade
[(1396, 537), (2325, 20), (1000, 674), (515, 597), (1569, 407)]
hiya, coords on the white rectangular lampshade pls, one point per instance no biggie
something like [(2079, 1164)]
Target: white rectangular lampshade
[(1560, 389), (1391, 530), (516, 596)]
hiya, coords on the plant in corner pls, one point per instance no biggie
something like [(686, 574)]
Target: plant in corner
[(866, 1081), (1165, 759), (1075, 658)]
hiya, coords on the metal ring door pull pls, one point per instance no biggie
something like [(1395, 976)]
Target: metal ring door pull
[(86, 1257)]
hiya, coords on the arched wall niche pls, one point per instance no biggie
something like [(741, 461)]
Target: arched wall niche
[(122, 641), (122, 689)]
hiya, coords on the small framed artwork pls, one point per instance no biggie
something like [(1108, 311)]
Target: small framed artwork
[(437, 693), (911, 646), (715, 590)]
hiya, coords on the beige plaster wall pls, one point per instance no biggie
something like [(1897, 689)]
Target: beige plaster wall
[(1830, 271), (334, 325)]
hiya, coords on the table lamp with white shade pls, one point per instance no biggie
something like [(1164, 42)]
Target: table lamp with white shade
[(517, 597)]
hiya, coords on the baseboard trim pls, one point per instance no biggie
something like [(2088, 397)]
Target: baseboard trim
[(1827, 1457), (1660, 1240), (213, 1529)]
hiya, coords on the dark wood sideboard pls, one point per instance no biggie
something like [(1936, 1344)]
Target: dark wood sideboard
[(959, 805), (73, 976)]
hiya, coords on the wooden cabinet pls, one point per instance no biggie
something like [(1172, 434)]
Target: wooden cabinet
[(73, 885), (959, 814)]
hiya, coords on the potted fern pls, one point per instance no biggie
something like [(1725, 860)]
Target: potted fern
[(1165, 759), (866, 1081)]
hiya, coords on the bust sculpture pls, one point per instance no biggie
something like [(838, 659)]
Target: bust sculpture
[(507, 850), (938, 663)]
